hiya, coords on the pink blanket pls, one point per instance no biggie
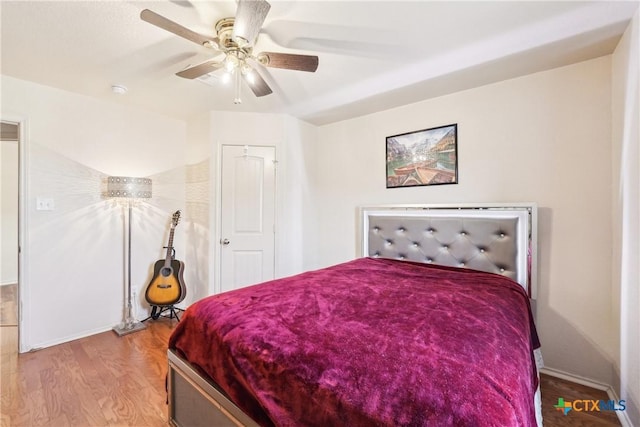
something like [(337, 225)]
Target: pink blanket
[(371, 342)]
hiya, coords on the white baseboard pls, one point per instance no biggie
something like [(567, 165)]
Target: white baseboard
[(622, 415), (68, 338)]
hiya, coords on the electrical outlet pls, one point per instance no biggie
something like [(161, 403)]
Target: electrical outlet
[(44, 204)]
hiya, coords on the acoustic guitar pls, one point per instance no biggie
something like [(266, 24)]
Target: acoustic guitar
[(167, 285)]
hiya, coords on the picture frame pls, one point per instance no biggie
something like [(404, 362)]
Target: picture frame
[(423, 157)]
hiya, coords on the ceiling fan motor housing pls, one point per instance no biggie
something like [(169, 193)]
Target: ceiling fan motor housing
[(224, 30)]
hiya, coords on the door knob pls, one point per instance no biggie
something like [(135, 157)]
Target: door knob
[(224, 241)]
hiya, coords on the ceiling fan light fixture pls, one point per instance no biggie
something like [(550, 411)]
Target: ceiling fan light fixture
[(251, 79), (231, 62)]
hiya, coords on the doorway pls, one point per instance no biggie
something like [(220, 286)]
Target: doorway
[(9, 232), (247, 213)]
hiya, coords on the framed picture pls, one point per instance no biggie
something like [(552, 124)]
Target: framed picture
[(423, 157)]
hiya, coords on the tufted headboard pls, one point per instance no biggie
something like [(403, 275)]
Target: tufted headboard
[(489, 237)]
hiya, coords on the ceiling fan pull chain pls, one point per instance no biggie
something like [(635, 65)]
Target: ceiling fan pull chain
[(237, 99)]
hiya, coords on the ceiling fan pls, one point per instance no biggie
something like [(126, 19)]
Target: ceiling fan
[(236, 37)]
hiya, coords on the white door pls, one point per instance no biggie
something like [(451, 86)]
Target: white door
[(247, 216)]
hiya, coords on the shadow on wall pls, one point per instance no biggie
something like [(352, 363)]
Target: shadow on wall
[(79, 190), (191, 182), (74, 246), (565, 347)]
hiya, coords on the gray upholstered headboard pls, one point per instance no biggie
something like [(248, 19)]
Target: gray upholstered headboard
[(495, 238)]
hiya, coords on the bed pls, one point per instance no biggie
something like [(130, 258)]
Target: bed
[(430, 325)]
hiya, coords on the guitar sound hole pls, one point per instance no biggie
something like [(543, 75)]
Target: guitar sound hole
[(166, 272)]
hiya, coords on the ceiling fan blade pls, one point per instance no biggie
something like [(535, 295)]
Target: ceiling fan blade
[(339, 39), (200, 70), (175, 28), (183, 3), (257, 83), (289, 61), (249, 19)]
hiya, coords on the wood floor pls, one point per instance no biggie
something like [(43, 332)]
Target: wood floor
[(102, 380), (554, 388), (8, 305), (105, 380)]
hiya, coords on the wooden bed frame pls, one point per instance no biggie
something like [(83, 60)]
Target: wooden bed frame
[(196, 401), (488, 237)]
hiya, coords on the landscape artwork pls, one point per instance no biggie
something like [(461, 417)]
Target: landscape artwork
[(424, 157)]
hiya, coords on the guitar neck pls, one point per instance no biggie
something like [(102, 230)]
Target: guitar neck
[(167, 260)]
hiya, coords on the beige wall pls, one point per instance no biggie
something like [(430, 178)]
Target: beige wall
[(626, 216), (290, 137), (73, 283), (9, 213), (200, 184), (544, 138)]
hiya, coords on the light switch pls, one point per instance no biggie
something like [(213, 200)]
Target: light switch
[(44, 204)]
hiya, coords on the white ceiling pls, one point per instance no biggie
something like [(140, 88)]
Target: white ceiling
[(374, 55)]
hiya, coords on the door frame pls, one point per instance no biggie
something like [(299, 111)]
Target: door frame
[(24, 325), (215, 243)]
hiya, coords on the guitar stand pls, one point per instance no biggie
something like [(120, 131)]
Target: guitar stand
[(157, 310)]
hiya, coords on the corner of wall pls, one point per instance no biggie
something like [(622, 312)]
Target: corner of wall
[(626, 214)]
